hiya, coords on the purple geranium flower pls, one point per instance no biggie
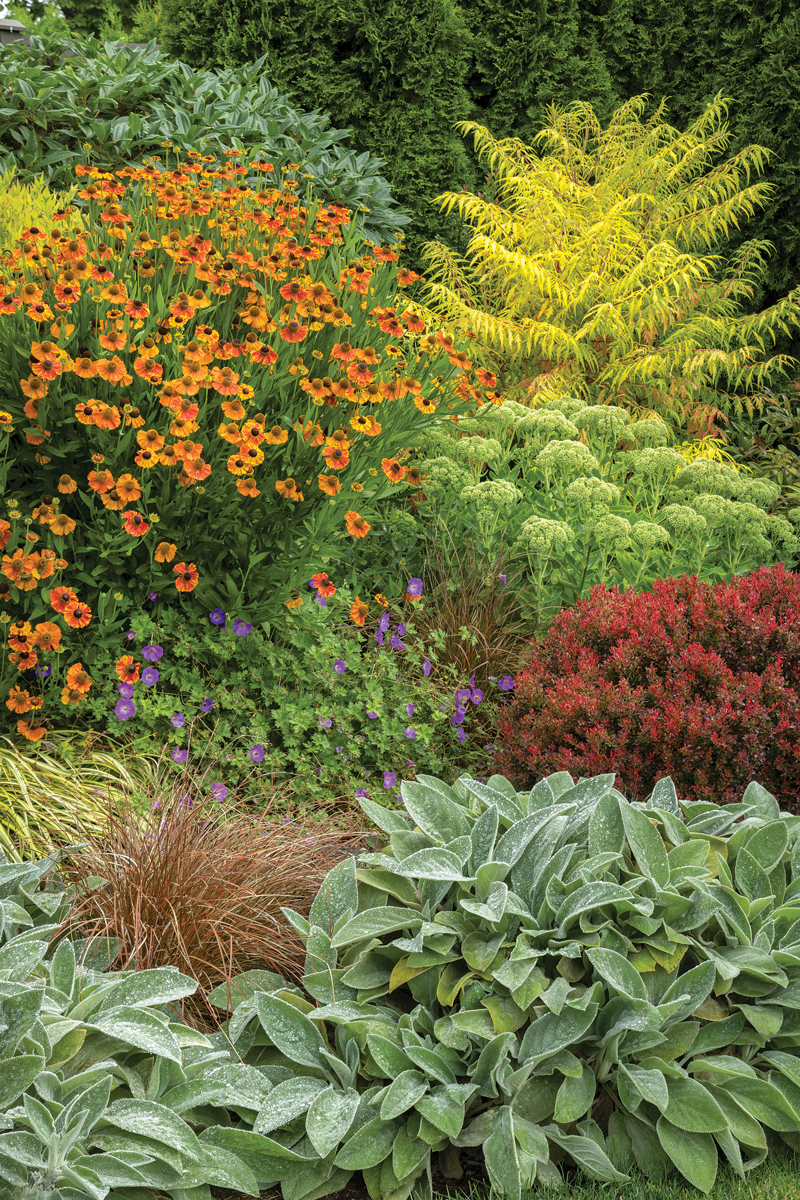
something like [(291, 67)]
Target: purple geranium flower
[(321, 601), (414, 586), (218, 791), (125, 690), (373, 716), (177, 720), (150, 676), (241, 628), (411, 733), (326, 724), (42, 671), (340, 666), (426, 667), (462, 695), (131, 635), (206, 705), (384, 623), (462, 737), (395, 642), (362, 794), (125, 709), (180, 754), (379, 638), (389, 779), (152, 653), (401, 630), (409, 709), (502, 579), (257, 753), (217, 616), (505, 683)]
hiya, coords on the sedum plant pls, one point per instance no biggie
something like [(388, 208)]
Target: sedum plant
[(555, 976)]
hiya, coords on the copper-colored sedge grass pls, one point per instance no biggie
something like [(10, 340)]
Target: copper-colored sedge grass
[(196, 884)]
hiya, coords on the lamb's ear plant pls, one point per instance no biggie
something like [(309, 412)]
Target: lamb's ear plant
[(556, 976), (100, 1090)]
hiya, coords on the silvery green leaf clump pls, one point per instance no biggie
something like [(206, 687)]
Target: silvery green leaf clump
[(550, 977), (103, 1092)]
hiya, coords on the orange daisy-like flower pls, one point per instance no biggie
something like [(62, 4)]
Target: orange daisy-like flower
[(108, 417), (84, 368), (149, 439), (24, 660), (329, 484), (336, 457), (113, 501), (165, 552), (237, 465), (111, 369), (229, 431), (62, 525), (187, 577), (322, 583), (359, 611), (60, 597), (289, 489), (392, 469), (127, 669), (77, 615), (293, 290), (35, 389), (78, 679), (47, 368), (47, 636), (361, 423), (66, 485), (233, 409), (357, 527), (71, 696), (134, 523), (196, 469), (5, 534), (486, 378), (19, 700), (381, 599), (100, 481), (137, 308), (423, 405), (115, 292), (20, 635), (147, 459), (276, 436), (88, 413), (115, 340), (247, 487), (31, 730), (374, 428), (293, 332), (183, 306), (225, 381), (128, 489), (253, 434)]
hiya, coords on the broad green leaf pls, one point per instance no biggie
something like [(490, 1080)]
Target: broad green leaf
[(152, 1120), (551, 1033), (751, 878), (338, 893), (431, 1063), (158, 985), (757, 797), (17, 1074), (385, 818), (765, 1103), (476, 1021), (404, 1091), (138, 1028), (768, 845), (692, 1107), (695, 984), (507, 1017), (225, 1169), (717, 1035), (286, 1101), (514, 840), (389, 881), (431, 863), (651, 1085), (745, 1128), (62, 967), (409, 1154), (618, 972), (493, 908), (665, 796), (375, 922), (18, 958), (329, 1118), (694, 1154), (436, 815), (250, 1146), (650, 1157), (291, 1031), (501, 1157), (587, 899), (483, 835), (575, 1097), (388, 1055), (590, 1157), (443, 1111), (646, 844), (368, 1146), (479, 949)]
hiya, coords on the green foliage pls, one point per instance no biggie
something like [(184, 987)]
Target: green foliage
[(99, 1088), (556, 975), (117, 106), (393, 76), (595, 265), (581, 495), (140, 24), (24, 204)]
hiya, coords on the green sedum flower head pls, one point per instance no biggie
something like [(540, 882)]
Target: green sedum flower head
[(762, 492), (540, 536), (647, 536), (605, 422), (682, 520), (568, 405), (706, 475), (444, 478), (655, 462), (713, 508), (567, 458), (477, 449), (612, 532), (650, 432), (542, 426), (490, 495)]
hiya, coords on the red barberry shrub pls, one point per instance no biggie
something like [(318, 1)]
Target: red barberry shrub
[(697, 682)]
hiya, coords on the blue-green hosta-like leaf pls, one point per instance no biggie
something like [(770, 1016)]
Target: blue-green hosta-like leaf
[(409, 1153), (18, 958), (695, 985), (250, 1146), (762, 801), (665, 796), (651, 1085), (439, 817), (645, 842), (618, 972), (514, 841), (368, 1146), (387, 819), (329, 1118), (291, 1031), (589, 898), (374, 923), (751, 878), (769, 844), (494, 906), (694, 1154), (152, 1120), (501, 1157), (337, 895)]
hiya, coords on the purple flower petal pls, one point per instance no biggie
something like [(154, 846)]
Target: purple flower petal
[(340, 666), (326, 724), (206, 705), (409, 709), (241, 628), (505, 683), (411, 733), (384, 623), (257, 753), (125, 690), (401, 630), (150, 676), (502, 579), (362, 794), (389, 779), (426, 667), (180, 754), (177, 720), (373, 716), (462, 737), (218, 791), (125, 709), (414, 586), (131, 635), (217, 616), (152, 653), (395, 643), (477, 695), (42, 672), (379, 638)]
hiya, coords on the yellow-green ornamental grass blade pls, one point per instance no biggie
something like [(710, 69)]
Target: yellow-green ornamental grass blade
[(48, 798)]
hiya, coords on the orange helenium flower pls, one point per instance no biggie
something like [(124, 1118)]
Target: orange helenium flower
[(329, 484), (127, 669), (60, 597), (165, 552), (187, 577), (357, 527), (358, 612), (134, 523), (47, 636), (77, 615), (19, 700), (78, 679)]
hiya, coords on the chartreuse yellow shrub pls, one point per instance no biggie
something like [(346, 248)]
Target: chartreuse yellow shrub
[(25, 204), (593, 265)]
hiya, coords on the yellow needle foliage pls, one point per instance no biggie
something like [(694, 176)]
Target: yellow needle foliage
[(594, 267)]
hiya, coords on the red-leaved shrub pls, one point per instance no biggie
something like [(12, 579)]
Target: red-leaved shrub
[(701, 683)]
